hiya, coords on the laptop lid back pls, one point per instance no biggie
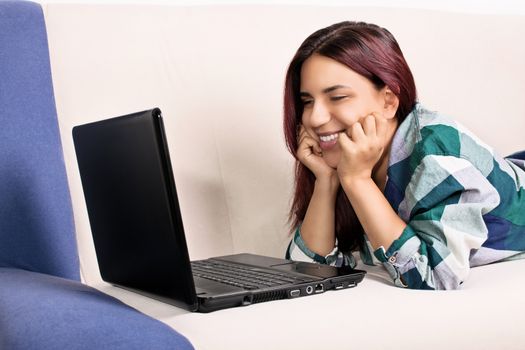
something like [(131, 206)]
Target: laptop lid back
[(133, 207)]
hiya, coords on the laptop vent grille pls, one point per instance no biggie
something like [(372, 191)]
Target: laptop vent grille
[(268, 296)]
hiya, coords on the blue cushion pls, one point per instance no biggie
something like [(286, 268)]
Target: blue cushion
[(82, 317), (36, 220)]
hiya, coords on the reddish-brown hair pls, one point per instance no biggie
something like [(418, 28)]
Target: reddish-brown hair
[(370, 51)]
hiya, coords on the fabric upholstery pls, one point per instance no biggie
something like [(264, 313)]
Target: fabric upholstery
[(42, 303), (36, 222), (43, 312)]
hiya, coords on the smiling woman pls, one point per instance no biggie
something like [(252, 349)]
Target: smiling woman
[(378, 173), (333, 102)]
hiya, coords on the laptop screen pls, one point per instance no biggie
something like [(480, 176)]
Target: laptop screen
[(132, 205)]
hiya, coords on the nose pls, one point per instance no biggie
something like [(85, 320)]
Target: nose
[(319, 114)]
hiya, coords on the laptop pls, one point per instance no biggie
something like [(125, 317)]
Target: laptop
[(139, 235)]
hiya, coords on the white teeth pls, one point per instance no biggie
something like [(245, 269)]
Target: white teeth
[(328, 138)]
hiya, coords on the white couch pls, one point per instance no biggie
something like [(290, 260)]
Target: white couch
[(217, 73)]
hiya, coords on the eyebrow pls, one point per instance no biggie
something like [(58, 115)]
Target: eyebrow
[(325, 91)]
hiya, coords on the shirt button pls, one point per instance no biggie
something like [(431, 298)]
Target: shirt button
[(392, 259)]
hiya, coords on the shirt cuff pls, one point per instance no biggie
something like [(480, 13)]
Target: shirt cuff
[(334, 258), (397, 255)]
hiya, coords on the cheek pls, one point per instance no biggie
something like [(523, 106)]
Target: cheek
[(306, 123), (351, 115), (305, 119), (357, 108), (347, 117)]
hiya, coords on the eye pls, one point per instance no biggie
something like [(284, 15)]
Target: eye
[(307, 102), (338, 98)]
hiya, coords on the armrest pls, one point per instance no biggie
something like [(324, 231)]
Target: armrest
[(39, 311)]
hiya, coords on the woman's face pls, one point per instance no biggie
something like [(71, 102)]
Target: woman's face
[(334, 98)]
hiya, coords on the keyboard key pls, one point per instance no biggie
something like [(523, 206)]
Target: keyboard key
[(242, 276)]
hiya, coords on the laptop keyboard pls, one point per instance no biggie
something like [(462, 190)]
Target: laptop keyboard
[(243, 276)]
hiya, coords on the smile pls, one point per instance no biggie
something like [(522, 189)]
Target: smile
[(328, 138), (328, 141)]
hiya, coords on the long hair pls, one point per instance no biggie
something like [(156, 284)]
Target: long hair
[(370, 51)]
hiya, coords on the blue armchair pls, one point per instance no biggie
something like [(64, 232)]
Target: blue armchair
[(43, 304)]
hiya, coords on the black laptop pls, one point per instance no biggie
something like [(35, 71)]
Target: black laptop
[(139, 235)]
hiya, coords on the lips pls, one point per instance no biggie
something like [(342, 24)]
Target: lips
[(327, 141)]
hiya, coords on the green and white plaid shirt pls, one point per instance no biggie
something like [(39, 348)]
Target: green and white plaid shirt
[(463, 204)]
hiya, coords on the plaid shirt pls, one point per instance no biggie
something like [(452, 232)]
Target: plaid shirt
[(463, 204)]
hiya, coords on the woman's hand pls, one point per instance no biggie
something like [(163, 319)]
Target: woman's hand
[(361, 148), (310, 154)]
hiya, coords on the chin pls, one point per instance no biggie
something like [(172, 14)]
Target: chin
[(331, 159)]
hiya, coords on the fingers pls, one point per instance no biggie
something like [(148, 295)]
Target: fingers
[(316, 148), (381, 125), (307, 142), (344, 140), (356, 132), (372, 125), (301, 135), (372, 128), (369, 125)]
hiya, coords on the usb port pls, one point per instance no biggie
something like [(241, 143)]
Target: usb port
[(339, 285)]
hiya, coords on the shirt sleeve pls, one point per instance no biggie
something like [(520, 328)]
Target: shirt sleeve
[(445, 202), (299, 251)]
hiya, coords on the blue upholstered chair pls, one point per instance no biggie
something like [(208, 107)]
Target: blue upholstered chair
[(43, 304)]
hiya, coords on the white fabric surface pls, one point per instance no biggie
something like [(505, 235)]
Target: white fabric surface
[(487, 313), (217, 73)]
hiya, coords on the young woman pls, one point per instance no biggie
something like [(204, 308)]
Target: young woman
[(378, 173)]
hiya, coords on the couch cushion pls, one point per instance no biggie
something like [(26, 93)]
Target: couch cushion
[(39, 311), (36, 220)]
